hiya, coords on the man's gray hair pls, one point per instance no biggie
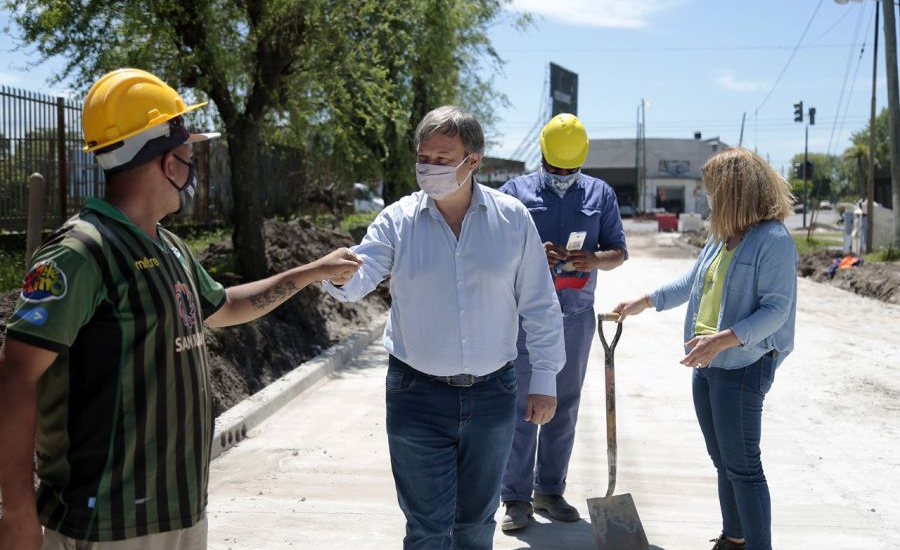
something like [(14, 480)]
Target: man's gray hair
[(451, 120)]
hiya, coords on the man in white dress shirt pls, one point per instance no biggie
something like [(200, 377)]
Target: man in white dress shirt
[(466, 263)]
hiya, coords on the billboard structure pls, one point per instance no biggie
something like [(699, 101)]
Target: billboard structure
[(563, 91)]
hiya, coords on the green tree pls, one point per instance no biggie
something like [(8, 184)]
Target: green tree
[(347, 80), (856, 165), (882, 135), (421, 54), (826, 181)]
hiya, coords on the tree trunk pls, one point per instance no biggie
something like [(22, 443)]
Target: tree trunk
[(890, 57), (247, 212), (399, 167)]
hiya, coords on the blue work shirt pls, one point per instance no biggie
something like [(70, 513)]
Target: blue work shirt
[(456, 304), (759, 299), (588, 205)]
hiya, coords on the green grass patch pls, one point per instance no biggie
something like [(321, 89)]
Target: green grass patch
[(12, 269), (886, 254), (198, 242), (357, 224), (814, 244), (202, 239), (824, 241)]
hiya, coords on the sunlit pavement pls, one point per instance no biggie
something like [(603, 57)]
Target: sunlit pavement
[(317, 475)]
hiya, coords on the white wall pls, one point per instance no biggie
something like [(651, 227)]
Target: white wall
[(694, 197)]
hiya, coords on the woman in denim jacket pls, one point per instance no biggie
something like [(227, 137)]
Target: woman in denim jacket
[(742, 296)]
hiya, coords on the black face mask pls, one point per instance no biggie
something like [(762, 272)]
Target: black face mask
[(187, 191)]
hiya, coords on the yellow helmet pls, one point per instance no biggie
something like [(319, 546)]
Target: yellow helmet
[(127, 108), (564, 142)]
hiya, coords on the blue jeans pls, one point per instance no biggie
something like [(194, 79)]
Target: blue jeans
[(540, 458), (448, 447), (729, 408)]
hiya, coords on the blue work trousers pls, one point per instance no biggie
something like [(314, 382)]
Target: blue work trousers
[(729, 408), (540, 457), (448, 448)]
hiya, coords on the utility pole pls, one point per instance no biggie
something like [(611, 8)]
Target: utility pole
[(644, 153), (890, 58), (870, 185), (743, 120), (637, 164)]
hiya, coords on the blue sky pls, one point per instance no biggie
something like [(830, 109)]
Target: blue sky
[(700, 64)]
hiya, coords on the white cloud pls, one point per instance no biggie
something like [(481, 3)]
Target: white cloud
[(7, 79), (630, 14), (728, 81)]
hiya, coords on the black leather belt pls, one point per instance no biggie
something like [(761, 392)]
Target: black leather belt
[(456, 380)]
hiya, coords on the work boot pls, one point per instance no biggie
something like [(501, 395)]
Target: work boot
[(724, 544), (556, 507), (516, 516)]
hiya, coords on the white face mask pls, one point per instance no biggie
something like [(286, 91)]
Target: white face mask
[(559, 182), (439, 181)]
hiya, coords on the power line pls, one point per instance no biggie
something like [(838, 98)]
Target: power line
[(858, 65), (859, 20), (844, 14), (771, 123), (791, 57), (678, 48), (526, 149)]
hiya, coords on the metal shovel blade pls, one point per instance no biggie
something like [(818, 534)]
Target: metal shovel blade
[(616, 523)]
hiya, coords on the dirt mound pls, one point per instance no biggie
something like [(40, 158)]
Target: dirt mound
[(880, 281), (246, 358), (875, 280)]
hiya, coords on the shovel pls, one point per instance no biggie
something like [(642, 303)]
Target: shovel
[(615, 520)]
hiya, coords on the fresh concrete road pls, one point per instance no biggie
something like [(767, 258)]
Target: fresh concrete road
[(316, 475)]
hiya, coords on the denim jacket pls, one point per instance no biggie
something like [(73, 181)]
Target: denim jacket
[(759, 299)]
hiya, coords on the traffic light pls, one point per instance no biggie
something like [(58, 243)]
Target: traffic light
[(802, 169), (812, 116), (798, 112)]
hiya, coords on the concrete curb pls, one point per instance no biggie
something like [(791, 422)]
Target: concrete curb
[(232, 425)]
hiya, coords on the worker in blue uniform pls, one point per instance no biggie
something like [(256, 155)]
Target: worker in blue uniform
[(577, 217)]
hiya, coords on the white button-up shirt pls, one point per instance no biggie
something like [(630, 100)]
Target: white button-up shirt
[(456, 305)]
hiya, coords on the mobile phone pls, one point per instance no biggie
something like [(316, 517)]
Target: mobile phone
[(576, 240)]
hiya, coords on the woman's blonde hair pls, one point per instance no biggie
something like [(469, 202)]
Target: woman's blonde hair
[(744, 191)]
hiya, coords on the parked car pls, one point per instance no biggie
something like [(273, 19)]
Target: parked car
[(626, 210), (364, 200)]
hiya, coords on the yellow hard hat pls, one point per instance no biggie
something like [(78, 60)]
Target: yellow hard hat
[(127, 108), (564, 142)]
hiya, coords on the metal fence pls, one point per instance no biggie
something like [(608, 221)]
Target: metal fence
[(42, 133)]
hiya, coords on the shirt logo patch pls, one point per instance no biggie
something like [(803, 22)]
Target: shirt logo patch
[(37, 316), (146, 263), (44, 281), (185, 301)]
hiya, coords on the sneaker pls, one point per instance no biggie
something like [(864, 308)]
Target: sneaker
[(556, 507), (517, 514), (724, 544)]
